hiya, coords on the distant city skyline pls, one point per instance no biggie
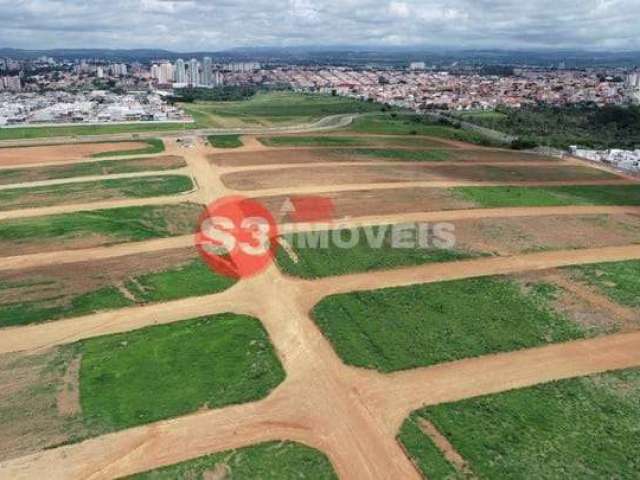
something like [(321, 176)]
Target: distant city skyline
[(200, 25)]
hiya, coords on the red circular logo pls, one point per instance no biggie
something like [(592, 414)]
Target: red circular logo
[(237, 237)]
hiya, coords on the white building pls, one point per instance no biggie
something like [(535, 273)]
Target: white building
[(194, 73), (207, 67), (180, 74)]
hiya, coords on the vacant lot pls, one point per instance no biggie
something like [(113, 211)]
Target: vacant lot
[(102, 190), (298, 156), (52, 293), (275, 460), (103, 167), (154, 146), (322, 254), (581, 428), (329, 175), (78, 130), (350, 141), (96, 228), (514, 196), (273, 109), (225, 141), (619, 281), (170, 370), (409, 327), (57, 153)]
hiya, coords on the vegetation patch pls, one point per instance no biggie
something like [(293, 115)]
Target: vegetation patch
[(225, 141), (154, 146), (171, 370), (493, 197), (84, 169), (112, 189), (97, 228), (23, 133), (274, 460), (317, 254), (49, 294), (403, 155), (399, 124), (346, 141), (403, 328), (580, 428), (620, 281)]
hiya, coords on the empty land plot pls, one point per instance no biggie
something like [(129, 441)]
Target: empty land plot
[(56, 153), (274, 460), (153, 146), (346, 251), (170, 370), (619, 281), (515, 196), (402, 328), (119, 381), (225, 141), (349, 141), (96, 228), (23, 133), (330, 175), (359, 203), (338, 252), (301, 156), (51, 293), (103, 167), (273, 109), (94, 191), (392, 124), (579, 428)]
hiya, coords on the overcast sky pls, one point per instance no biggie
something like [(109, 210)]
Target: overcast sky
[(192, 25)]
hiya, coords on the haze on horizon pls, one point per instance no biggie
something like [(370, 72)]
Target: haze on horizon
[(211, 25)]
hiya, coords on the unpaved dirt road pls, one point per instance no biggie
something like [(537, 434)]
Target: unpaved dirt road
[(352, 415)]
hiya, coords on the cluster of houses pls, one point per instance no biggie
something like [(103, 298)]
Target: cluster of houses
[(628, 160)]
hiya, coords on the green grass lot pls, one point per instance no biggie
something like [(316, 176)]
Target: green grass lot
[(267, 461), (435, 155), (167, 371), (225, 141), (26, 133), (154, 145), (480, 115), (418, 326), (362, 257), (620, 281), (116, 225), (191, 279), (391, 124), (103, 167), (346, 141), (68, 193), (583, 428), (273, 109), (494, 197)]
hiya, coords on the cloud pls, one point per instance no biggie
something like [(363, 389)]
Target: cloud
[(187, 25)]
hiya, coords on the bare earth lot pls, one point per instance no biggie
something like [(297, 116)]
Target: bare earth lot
[(319, 176), (56, 153)]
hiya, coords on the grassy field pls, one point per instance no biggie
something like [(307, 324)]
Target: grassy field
[(273, 109), (225, 141), (620, 281), (267, 461), (113, 225), (94, 191), (26, 133), (346, 141), (362, 257), (403, 328), (494, 197), (583, 428), (171, 370), (480, 115), (103, 167), (41, 298), (154, 145), (392, 124)]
